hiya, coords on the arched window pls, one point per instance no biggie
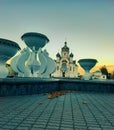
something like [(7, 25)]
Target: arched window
[(70, 68), (57, 67), (64, 61)]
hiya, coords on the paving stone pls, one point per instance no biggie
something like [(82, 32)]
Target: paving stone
[(94, 128), (52, 127), (37, 129), (13, 123), (66, 128), (25, 125), (54, 124), (8, 127), (67, 122), (107, 127), (4, 129), (93, 124), (81, 129), (80, 123), (65, 112), (22, 128), (2, 123), (39, 126), (66, 125)]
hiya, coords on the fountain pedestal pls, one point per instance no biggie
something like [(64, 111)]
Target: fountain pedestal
[(34, 41), (87, 65)]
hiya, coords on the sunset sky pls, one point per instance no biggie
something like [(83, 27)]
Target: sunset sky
[(86, 25)]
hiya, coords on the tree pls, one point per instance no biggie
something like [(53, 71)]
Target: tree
[(104, 70), (112, 75)]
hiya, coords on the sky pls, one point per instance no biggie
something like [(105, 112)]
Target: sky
[(86, 25)]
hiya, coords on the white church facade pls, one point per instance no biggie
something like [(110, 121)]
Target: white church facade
[(65, 65)]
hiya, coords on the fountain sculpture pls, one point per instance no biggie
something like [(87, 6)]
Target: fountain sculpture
[(32, 61), (87, 65)]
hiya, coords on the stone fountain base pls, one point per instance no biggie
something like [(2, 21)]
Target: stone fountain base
[(28, 86)]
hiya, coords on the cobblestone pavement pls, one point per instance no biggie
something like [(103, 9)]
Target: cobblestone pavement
[(73, 111)]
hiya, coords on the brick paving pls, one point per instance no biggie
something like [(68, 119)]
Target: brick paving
[(72, 111)]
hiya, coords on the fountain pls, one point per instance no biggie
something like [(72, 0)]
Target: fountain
[(87, 65), (32, 61), (7, 50), (34, 41)]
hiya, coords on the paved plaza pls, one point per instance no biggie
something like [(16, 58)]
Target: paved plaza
[(72, 111)]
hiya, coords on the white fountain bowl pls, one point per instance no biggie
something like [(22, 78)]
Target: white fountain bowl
[(33, 39), (7, 49), (87, 64)]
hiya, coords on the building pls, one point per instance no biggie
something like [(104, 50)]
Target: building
[(66, 66), (98, 75)]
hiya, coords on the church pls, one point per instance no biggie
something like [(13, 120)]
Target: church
[(66, 66)]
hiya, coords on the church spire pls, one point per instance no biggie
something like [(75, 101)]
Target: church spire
[(65, 43), (65, 48)]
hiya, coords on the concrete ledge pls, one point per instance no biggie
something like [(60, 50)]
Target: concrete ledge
[(27, 86)]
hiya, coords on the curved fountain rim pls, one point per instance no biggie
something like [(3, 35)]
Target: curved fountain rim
[(88, 59), (9, 42), (34, 34)]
